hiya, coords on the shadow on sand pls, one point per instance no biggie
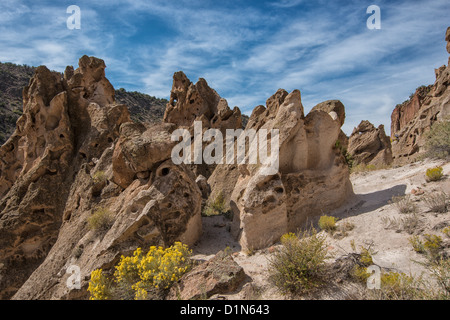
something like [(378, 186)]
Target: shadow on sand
[(367, 202)]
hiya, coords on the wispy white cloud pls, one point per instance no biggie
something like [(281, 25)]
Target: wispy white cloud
[(287, 3), (245, 51)]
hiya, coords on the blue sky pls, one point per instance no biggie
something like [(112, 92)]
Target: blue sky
[(246, 50)]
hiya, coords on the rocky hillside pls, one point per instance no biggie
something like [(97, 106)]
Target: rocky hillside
[(13, 78), (143, 108), (412, 119)]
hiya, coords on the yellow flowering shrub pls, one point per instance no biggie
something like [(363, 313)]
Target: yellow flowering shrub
[(285, 238), (98, 286), (140, 273)]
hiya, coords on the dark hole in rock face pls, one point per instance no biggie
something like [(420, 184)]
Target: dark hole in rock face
[(279, 190), (165, 171)]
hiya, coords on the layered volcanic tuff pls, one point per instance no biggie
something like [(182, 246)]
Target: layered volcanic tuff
[(411, 120)]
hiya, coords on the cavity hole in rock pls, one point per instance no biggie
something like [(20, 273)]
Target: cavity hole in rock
[(279, 190), (165, 171)]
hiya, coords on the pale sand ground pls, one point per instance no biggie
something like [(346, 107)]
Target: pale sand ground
[(373, 191)]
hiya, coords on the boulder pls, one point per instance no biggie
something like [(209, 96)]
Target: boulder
[(219, 275), (191, 102)]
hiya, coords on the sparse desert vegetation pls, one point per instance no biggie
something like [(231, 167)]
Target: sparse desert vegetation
[(101, 220)]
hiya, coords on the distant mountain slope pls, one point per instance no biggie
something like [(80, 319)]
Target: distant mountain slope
[(13, 78), (143, 108)]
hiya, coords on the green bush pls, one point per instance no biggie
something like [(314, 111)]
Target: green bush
[(299, 265), (446, 231), (430, 245), (397, 286), (101, 220), (359, 271), (437, 142), (216, 207), (347, 156), (434, 174), (327, 223), (99, 177), (417, 244)]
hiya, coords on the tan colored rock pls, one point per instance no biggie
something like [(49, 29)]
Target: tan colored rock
[(220, 275), (139, 149), (404, 113), (312, 177), (335, 106), (447, 38), (34, 163), (189, 102), (370, 145)]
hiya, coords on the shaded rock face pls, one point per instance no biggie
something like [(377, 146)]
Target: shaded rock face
[(412, 120), (75, 153), (312, 176), (370, 145)]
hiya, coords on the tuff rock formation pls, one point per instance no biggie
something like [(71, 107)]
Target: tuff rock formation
[(75, 154), (370, 145), (191, 102), (312, 178), (411, 120)]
